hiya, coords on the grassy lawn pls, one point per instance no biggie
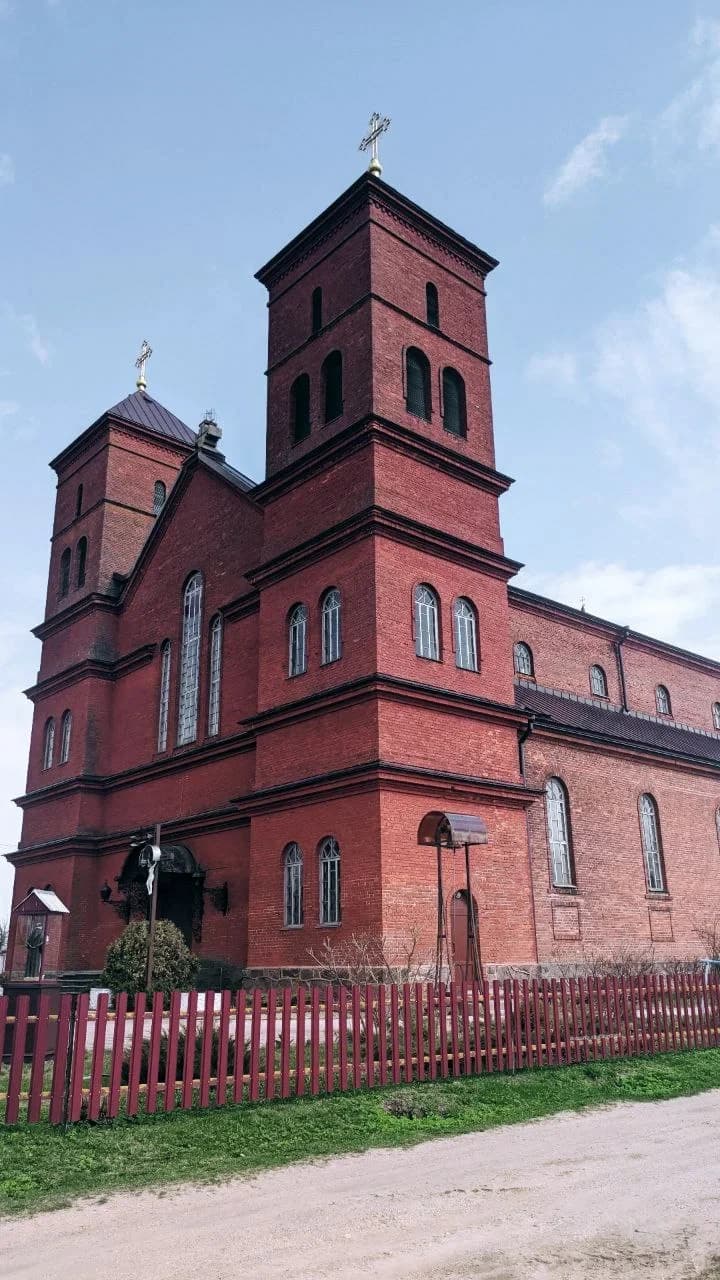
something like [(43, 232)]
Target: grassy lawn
[(42, 1167)]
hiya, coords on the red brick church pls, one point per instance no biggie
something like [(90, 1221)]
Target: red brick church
[(289, 675)]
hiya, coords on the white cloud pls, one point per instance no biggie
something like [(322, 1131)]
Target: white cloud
[(587, 161), (37, 344), (559, 368), (676, 603), (7, 169), (23, 326), (8, 408), (693, 116)]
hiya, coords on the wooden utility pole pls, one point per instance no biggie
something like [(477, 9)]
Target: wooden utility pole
[(153, 914)]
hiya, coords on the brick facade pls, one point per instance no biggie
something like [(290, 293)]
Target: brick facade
[(374, 503)]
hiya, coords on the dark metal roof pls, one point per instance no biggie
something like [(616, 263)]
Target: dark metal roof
[(141, 410), (452, 830), (624, 728), (218, 464)]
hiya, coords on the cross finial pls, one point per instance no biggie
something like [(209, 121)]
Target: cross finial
[(145, 353), (378, 125)]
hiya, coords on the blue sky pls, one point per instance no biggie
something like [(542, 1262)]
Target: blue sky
[(153, 153)]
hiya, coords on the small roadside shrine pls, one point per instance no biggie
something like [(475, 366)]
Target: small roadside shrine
[(35, 943)]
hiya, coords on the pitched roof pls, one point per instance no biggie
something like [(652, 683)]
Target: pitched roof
[(140, 410), (218, 464), (571, 714)]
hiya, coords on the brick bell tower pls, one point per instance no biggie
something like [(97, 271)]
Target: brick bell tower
[(381, 484)]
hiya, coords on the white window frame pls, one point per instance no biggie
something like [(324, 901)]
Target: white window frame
[(523, 664), (297, 640), (293, 886), (190, 660), (216, 639), (598, 681), (65, 737), (716, 716), (558, 830), (662, 696), (651, 843), (329, 863), (49, 744), (164, 703), (466, 649), (427, 635), (331, 623)]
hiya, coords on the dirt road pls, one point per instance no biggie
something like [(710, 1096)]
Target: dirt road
[(631, 1191)]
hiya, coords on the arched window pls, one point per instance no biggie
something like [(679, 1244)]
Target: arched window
[(215, 672), (523, 659), (651, 844), (331, 634), (65, 735), (716, 716), (432, 306), (293, 885), (65, 562), (300, 408), (559, 839), (454, 403), (49, 744), (159, 496), (598, 681), (78, 502), (717, 824), (417, 383), (332, 376), (316, 310), (164, 705), (466, 655), (81, 554), (662, 701), (427, 639), (329, 881), (297, 640), (190, 660)]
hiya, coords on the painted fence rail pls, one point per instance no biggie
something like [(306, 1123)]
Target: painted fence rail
[(203, 1049)]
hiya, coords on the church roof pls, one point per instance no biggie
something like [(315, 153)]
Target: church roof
[(569, 713), (140, 410), (218, 464)]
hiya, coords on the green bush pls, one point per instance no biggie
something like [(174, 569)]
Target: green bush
[(418, 1104), (174, 965)]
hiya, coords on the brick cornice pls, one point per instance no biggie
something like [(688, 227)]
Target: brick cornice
[(92, 668), (379, 521), (92, 844)]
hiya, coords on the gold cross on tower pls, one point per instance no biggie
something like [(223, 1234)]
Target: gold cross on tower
[(378, 125), (145, 353)]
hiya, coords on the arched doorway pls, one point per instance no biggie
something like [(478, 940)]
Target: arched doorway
[(460, 925), (180, 888)]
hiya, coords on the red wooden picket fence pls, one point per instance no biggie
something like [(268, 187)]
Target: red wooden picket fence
[(251, 1046)]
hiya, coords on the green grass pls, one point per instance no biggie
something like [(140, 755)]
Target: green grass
[(43, 1167)]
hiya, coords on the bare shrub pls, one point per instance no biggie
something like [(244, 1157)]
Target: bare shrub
[(369, 957), (708, 932)]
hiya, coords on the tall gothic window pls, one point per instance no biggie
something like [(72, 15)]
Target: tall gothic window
[(316, 310), (300, 408), (293, 886), (454, 403), (651, 843), (65, 562), (49, 744), (82, 547), (159, 496), (297, 640), (417, 383), (598, 681), (466, 652), (190, 660), (332, 376), (559, 839), (427, 638), (215, 671), (716, 716), (164, 705), (523, 659), (331, 637), (432, 306), (329, 881), (717, 824), (65, 736), (662, 700)]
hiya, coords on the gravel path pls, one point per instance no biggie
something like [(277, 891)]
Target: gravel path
[(630, 1190)]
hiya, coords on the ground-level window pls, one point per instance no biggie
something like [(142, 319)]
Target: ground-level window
[(293, 887), (329, 881), (559, 840), (651, 843)]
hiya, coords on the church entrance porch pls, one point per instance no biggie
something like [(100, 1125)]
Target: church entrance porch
[(181, 882)]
